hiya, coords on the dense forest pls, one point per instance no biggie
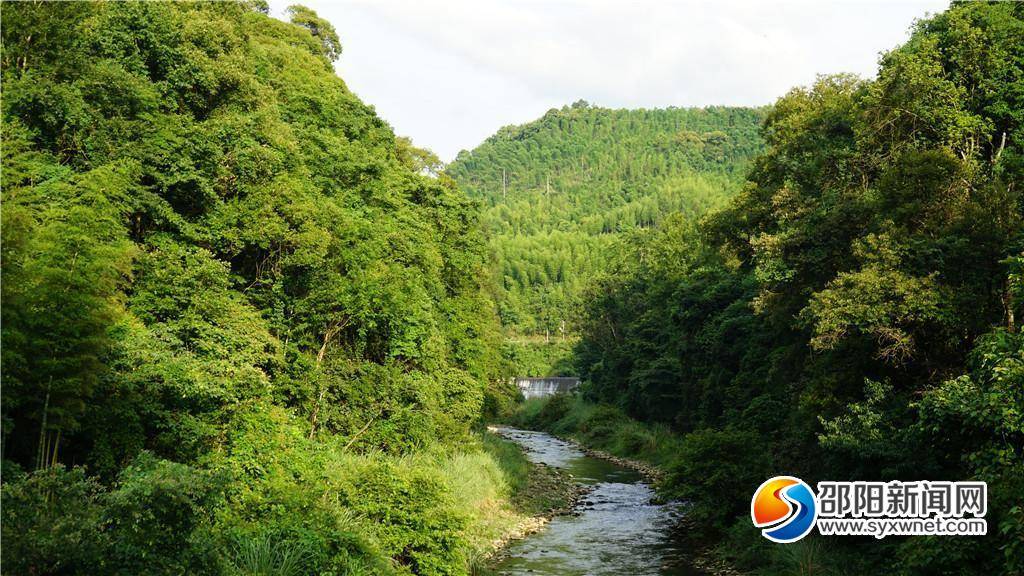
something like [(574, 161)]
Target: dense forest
[(244, 329), (247, 329), (558, 191), (854, 313)]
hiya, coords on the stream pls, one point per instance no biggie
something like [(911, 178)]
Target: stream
[(615, 529)]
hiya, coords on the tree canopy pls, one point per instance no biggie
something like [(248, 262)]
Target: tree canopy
[(559, 190), (225, 279), (854, 312)]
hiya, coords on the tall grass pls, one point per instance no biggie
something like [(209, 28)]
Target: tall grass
[(509, 457), (481, 494), (802, 558), (461, 494), (263, 556)]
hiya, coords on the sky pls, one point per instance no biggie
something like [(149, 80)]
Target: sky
[(449, 73)]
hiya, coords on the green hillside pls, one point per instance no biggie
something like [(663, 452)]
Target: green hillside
[(854, 313), (229, 291), (246, 329), (559, 190)]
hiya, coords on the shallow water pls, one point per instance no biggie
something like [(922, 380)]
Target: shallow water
[(618, 530)]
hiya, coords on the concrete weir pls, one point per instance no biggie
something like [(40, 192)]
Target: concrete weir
[(548, 386)]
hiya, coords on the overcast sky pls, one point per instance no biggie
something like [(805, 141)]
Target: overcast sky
[(449, 73)]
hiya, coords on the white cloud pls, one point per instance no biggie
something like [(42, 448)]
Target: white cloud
[(450, 73)]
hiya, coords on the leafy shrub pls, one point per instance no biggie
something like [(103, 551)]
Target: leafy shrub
[(499, 401), (51, 522), (743, 545), (553, 410), (718, 470), (632, 438), (305, 531), (411, 513), (154, 521), (599, 424), (158, 518)]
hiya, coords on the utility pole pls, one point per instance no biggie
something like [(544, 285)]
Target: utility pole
[(504, 182)]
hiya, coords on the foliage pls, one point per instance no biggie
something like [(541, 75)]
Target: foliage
[(59, 521), (527, 356), (264, 557), (559, 190), (51, 522), (823, 323), (321, 29), (715, 470), (224, 278)]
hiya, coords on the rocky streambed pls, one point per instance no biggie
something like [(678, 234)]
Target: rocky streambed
[(617, 526)]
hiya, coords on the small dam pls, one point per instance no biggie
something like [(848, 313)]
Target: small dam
[(549, 386)]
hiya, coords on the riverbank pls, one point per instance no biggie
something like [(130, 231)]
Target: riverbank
[(605, 432), (620, 527), (703, 469), (650, 473), (534, 494)]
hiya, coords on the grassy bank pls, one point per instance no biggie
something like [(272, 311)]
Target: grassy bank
[(502, 496), (600, 427), (535, 491), (441, 511)]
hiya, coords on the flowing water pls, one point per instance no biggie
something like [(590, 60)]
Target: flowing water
[(617, 528)]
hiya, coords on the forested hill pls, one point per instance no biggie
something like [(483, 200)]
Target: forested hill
[(558, 190), (855, 312), (232, 305)]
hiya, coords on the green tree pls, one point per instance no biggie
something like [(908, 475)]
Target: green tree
[(830, 308), (321, 29)]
